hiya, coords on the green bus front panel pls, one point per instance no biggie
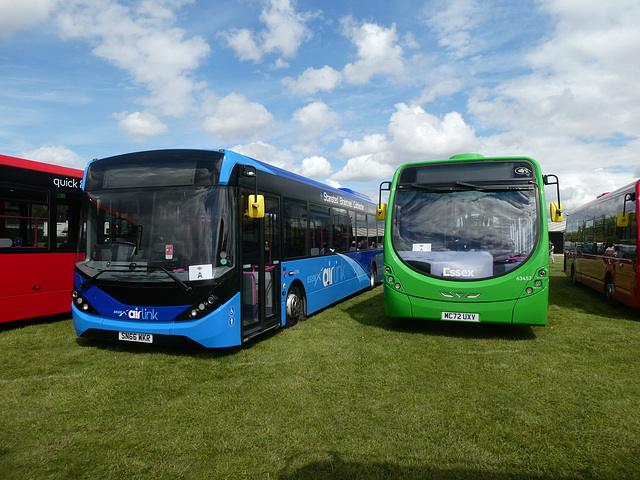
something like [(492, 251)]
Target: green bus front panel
[(530, 310), (518, 297)]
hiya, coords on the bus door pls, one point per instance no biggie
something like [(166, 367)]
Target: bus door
[(260, 268)]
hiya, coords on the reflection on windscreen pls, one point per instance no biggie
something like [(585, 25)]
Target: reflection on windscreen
[(141, 235), (464, 234)]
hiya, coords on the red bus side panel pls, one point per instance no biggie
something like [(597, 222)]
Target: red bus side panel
[(34, 285)]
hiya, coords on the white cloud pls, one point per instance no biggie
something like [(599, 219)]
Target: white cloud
[(57, 155), (313, 80), (243, 43), (143, 42), (314, 119), (378, 52), (267, 153), (452, 21), (17, 14), (363, 169), (575, 111), (285, 30), (236, 117), (413, 135), (441, 88), (416, 132), (315, 167), (141, 125), (370, 144)]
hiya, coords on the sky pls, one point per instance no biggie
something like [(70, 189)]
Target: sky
[(341, 91)]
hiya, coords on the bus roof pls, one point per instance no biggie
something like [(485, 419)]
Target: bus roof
[(40, 166), (633, 186), (238, 158)]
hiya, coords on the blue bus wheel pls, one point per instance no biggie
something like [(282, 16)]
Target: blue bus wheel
[(373, 277), (296, 310)]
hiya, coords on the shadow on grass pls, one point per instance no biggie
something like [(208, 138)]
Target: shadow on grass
[(370, 311), (336, 468), (180, 350), (564, 294), (5, 326), (172, 345)]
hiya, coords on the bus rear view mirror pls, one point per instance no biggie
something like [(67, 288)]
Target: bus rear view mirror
[(256, 206), (556, 212), (381, 208), (623, 220), (623, 217)]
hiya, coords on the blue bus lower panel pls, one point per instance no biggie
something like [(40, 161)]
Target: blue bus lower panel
[(219, 329), (329, 279)]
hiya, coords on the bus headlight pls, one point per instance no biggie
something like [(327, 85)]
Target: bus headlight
[(81, 303), (200, 309)]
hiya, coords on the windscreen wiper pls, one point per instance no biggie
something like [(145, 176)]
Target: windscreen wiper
[(133, 266), (459, 186), (184, 286), (428, 188), (90, 280), (494, 187)]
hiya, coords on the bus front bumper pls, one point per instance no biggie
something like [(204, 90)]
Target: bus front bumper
[(219, 329), (529, 310)]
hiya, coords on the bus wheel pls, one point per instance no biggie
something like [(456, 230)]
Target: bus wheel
[(373, 277), (296, 310), (609, 290)]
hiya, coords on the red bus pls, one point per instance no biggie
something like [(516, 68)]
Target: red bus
[(39, 222), (601, 245)]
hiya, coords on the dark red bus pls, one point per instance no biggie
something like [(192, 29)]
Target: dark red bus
[(39, 222), (601, 245)]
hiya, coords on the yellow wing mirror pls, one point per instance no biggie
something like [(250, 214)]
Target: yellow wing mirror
[(623, 220), (555, 207), (556, 212), (255, 203), (256, 206), (381, 208), (624, 216)]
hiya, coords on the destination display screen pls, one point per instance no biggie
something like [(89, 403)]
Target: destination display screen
[(467, 172), (163, 168)]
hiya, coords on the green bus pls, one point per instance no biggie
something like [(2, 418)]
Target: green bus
[(466, 239)]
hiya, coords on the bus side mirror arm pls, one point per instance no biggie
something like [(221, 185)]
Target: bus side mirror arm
[(255, 203), (555, 207), (381, 208)]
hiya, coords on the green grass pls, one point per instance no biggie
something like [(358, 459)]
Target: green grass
[(347, 394)]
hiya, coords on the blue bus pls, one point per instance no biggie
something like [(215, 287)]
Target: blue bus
[(214, 247)]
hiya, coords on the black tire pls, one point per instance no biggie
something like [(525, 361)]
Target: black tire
[(296, 306), (609, 290), (373, 277)]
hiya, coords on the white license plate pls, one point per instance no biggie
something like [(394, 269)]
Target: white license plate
[(135, 337), (461, 317)]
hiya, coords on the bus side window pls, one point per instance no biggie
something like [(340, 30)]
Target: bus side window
[(361, 232), (295, 228)]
